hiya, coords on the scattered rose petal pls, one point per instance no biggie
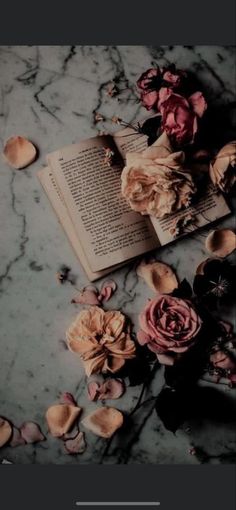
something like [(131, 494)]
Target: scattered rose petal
[(223, 168), (67, 398), (224, 360), (60, 418), (158, 276), (5, 431), (17, 438), (87, 296), (93, 390), (76, 444), (111, 389), (104, 421), (19, 152), (31, 432), (221, 242), (107, 290)]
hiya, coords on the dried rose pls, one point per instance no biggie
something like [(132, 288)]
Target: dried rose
[(169, 327), (223, 167), (101, 339), (152, 81), (180, 115), (155, 182)]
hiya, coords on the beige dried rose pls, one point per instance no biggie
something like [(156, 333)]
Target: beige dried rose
[(223, 168), (155, 181), (101, 339)]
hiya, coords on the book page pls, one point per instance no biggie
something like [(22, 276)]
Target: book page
[(209, 207), (110, 231), (50, 186), (128, 140)]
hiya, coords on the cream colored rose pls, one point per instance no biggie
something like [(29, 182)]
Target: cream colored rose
[(223, 168), (101, 339), (154, 182)]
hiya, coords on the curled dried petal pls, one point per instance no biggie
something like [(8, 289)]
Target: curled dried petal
[(111, 389), (17, 438), (19, 152), (5, 431), (107, 290), (87, 296), (223, 168), (67, 398), (60, 418), (104, 422), (221, 242), (93, 390), (158, 276), (75, 445), (31, 432)]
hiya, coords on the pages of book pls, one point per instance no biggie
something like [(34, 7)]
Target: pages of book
[(110, 231), (55, 197)]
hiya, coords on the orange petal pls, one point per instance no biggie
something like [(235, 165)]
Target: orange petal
[(19, 152), (104, 422), (158, 276), (5, 431), (60, 418), (221, 242)]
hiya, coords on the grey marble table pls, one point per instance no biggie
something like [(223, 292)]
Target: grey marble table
[(49, 94)]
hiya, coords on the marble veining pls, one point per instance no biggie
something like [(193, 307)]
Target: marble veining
[(50, 94)]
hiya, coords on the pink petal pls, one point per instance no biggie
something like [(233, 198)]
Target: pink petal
[(142, 337), (111, 389), (164, 359), (107, 290), (93, 390), (75, 445), (17, 438), (198, 103), (87, 296), (31, 432), (67, 398)]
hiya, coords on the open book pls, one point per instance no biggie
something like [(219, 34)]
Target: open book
[(85, 192)]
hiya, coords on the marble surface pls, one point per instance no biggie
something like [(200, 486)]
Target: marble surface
[(49, 94)]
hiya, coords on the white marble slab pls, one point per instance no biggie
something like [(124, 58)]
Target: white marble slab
[(49, 94)]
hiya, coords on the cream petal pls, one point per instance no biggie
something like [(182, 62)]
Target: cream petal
[(19, 152), (60, 418), (5, 431), (104, 422), (158, 276), (221, 242)]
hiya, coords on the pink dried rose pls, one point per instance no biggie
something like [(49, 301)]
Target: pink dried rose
[(180, 115), (169, 326), (155, 181), (101, 339), (154, 79)]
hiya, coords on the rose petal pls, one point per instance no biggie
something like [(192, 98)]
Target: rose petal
[(5, 431), (143, 338), (158, 276), (87, 296), (31, 432), (19, 152), (60, 418), (111, 389), (164, 359), (93, 390), (107, 290), (104, 422), (198, 103), (67, 398), (75, 445), (17, 438), (221, 242)]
